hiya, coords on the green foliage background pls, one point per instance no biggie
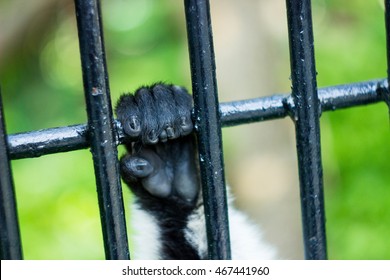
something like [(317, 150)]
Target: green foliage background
[(42, 87)]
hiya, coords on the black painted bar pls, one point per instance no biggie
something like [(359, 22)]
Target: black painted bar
[(387, 22), (350, 95), (307, 113), (10, 243), (65, 139), (48, 141), (101, 129), (208, 125), (279, 106)]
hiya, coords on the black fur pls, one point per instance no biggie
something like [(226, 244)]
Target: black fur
[(160, 167)]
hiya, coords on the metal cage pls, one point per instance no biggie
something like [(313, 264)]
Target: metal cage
[(102, 133)]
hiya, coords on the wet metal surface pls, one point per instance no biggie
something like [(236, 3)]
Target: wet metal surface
[(307, 128), (102, 133), (387, 22), (101, 130), (47, 141), (208, 126), (64, 139), (10, 243)]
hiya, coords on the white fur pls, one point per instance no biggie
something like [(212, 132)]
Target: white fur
[(246, 238), (195, 232), (146, 235)]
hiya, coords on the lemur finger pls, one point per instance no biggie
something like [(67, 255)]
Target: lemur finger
[(128, 114), (186, 126), (168, 133), (147, 109), (137, 167), (151, 137), (166, 110), (163, 136), (146, 168), (183, 103), (132, 126), (159, 112)]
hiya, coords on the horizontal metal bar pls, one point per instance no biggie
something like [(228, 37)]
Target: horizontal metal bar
[(345, 96), (279, 106), (48, 141), (64, 139)]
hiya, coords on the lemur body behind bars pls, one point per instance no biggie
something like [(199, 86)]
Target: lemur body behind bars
[(162, 172)]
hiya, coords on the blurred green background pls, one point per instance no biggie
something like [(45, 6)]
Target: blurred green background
[(41, 82)]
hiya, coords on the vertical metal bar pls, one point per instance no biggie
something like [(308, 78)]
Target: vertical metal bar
[(10, 244), (207, 122), (101, 128), (307, 113), (387, 21)]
